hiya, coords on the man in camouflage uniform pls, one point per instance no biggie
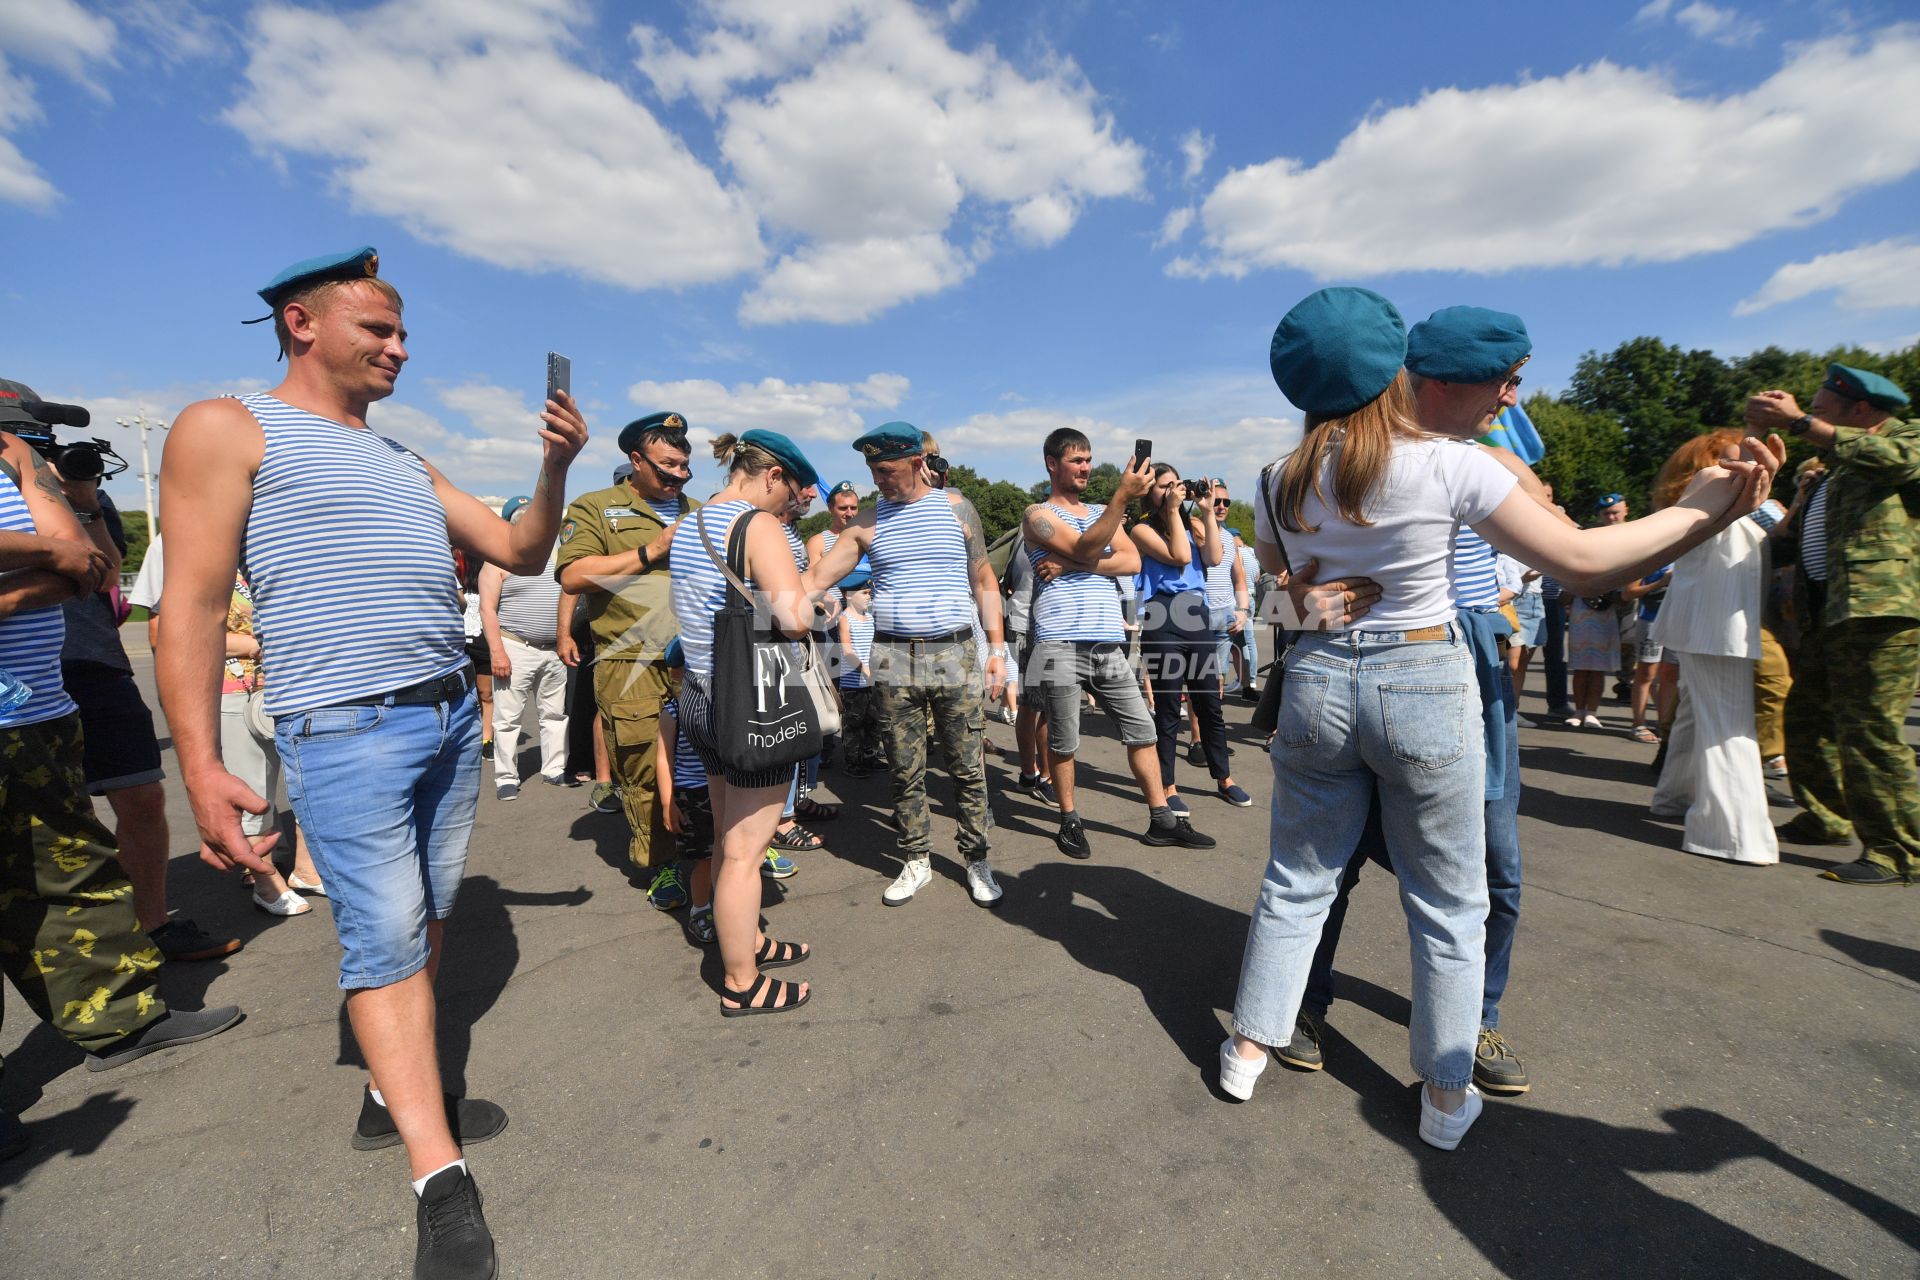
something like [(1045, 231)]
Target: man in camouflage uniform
[(1860, 660), (69, 942), (605, 558), (928, 552)]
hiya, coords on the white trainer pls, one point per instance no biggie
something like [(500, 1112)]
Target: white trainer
[(915, 876), (1238, 1074), (1438, 1129), (981, 884)]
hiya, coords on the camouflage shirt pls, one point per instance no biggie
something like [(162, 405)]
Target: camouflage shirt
[(1873, 523)]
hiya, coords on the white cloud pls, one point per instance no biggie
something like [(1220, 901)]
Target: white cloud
[(53, 33), (1867, 278), (1708, 22), (825, 411), (858, 131), (1175, 226), (1604, 165), (1195, 149), (1891, 345), (468, 124)]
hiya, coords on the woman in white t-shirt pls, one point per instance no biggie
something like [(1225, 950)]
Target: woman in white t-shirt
[(1394, 707)]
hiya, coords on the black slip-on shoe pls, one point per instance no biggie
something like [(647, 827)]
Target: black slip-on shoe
[(454, 1243), (471, 1121), (1806, 829), (1303, 1051), (1181, 832), (1868, 875), (181, 939), (165, 1032)]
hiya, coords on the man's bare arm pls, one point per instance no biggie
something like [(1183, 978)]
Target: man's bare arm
[(25, 590), (827, 571)]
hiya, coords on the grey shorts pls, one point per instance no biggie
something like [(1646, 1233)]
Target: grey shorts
[(1060, 669)]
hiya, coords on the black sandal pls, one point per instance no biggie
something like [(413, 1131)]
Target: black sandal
[(777, 955), (797, 839), (806, 807), (776, 996)]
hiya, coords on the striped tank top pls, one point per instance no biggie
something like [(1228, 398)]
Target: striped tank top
[(699, 588), (1220, 576), (687, 769), (530, 606), (921, 585), (1475, 576), (346, 547), (860, 631), (795, 545), (1075, 606), (30, 640), (1813, 533)]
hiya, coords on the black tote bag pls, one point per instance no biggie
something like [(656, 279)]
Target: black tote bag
[(764, 716)]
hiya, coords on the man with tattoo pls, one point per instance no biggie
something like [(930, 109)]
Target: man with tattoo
[(928, 553)]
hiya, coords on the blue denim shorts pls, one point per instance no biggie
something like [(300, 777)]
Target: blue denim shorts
[(386, 796)]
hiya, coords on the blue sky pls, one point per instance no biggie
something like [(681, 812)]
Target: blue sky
[(987, 219)]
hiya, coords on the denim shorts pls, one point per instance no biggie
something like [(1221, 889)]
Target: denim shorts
[(1532, 612), (1060, 669), (386, 796)]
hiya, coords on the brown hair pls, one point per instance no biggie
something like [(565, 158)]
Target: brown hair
[(317, 298), (1365, 439), (1690, 458), (743, 457), (1149, 515)]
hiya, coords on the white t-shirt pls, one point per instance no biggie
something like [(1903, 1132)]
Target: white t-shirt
[(152, 578), (1430, 488)]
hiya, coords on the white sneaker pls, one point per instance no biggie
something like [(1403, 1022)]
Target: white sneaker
[(915, 876), (1438, 1129), (981, 884), (1524, 723), (1237, 1074), (287, 904), (1775, 768)]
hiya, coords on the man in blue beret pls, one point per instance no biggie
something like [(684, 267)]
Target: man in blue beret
[(927, 551), (349, 540), (1464, 364), (1859, 657)]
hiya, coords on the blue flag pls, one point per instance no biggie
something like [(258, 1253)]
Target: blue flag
[(1514, 432)]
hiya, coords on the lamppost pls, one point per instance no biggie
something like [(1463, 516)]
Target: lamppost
[(145, 425)]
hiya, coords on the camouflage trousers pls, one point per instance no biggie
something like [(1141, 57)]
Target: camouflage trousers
[(1850, 767), (922, 686), (629, 695), (860, 727), (68, 938)]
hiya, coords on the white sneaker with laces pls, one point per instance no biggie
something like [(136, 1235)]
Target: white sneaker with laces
[(981, 884), (1438, 1129), (915, 876)]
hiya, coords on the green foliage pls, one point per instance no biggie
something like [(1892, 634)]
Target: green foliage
[(1001, 503), (1585, 453), (134, 525)]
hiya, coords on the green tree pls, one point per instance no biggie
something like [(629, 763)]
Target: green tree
[(1585, 453), (134, 525), (1001, 503), (1660, 395)]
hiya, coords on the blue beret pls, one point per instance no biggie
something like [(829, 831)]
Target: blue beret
[(673, 655), (1337, 350), (1858, 384), (513, 506), (671, 423), (786, 453), (888, 441), (854, 581), (1467, 344), (355, 265)]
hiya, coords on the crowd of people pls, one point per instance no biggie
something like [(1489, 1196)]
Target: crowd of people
[(313, 631)]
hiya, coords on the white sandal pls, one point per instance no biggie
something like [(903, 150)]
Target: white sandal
[(1237, 1074), (287, 904), (313, 887)]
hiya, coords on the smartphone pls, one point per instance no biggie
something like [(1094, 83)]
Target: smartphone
[(559, 374), (1142, 450)]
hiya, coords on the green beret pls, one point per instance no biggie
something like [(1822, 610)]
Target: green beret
[(358, 264), (888, 441), (1337, 350), (1858, 384), (1467, 344), (786, 453), (669, 423)]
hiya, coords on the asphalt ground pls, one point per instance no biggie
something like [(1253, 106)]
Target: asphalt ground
[(1725, 1062)]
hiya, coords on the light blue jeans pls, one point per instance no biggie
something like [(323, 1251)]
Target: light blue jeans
[(1365, 710)]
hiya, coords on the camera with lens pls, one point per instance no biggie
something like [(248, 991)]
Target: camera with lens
[(80, 460), (937, 470), (1198, 489)]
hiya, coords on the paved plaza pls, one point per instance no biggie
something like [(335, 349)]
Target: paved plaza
[(1726, 1062)]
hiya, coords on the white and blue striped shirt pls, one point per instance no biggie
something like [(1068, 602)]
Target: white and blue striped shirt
[(860, 632), (352, 572), (667, 511), (699, 588), (687, 769), (921, 583), (1475, 576), (530, 606), (1075, 606), (1813, 533), (1220, 576), (30, 640)]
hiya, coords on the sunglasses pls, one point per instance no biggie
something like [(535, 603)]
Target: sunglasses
[(668, 477), (1223, 502), (1510, 382)]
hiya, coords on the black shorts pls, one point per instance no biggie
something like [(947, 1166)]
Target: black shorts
[(696, 842), (482, 657), (118, 749)]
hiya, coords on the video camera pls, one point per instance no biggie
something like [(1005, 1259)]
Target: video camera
[(82, 460)]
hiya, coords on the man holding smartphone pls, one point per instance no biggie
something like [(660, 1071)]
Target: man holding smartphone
[(375, 719)]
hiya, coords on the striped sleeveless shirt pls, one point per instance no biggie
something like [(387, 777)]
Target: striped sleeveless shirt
[(699, 588), (687, 769), (860, 631), (921, 585), (1076, 606), (1475, 576), (352, 572), (30, 640), (1220, 576), (530, 606)]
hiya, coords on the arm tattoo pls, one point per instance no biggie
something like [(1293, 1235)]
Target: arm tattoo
[(47, 481), (1042, 527), (975, 532)]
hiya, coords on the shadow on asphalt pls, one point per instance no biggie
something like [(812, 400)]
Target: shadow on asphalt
[(78, 1131), (1904, 961)]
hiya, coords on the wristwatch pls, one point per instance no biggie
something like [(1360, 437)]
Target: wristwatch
[(1801, 425), (86, 517)]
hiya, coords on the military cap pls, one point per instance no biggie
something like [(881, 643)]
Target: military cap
[(1606, 500), (1467, 344), (513, 505), (888, 441), (358, 264), (856, 580), (1858, 384), (671, 423), (786, 453), (1337, 350)]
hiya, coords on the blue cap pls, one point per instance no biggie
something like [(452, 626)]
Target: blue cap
[(1467, 344), (1337, 350), (888, 441), (786, 453), (1858, 384), (857, 579), (670, 423), (358, 264), (513, 505), (1606, 500)]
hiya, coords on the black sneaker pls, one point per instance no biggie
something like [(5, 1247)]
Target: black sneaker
[(1072, 838), (1303, 1051), (1040, 789), (1180, 832), (1864, 873), (1197, 754), (454, 1243), (174, 1027), (471, 1121), (14, 1137), (182, 939), (486, 749), (1495, 1067)]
